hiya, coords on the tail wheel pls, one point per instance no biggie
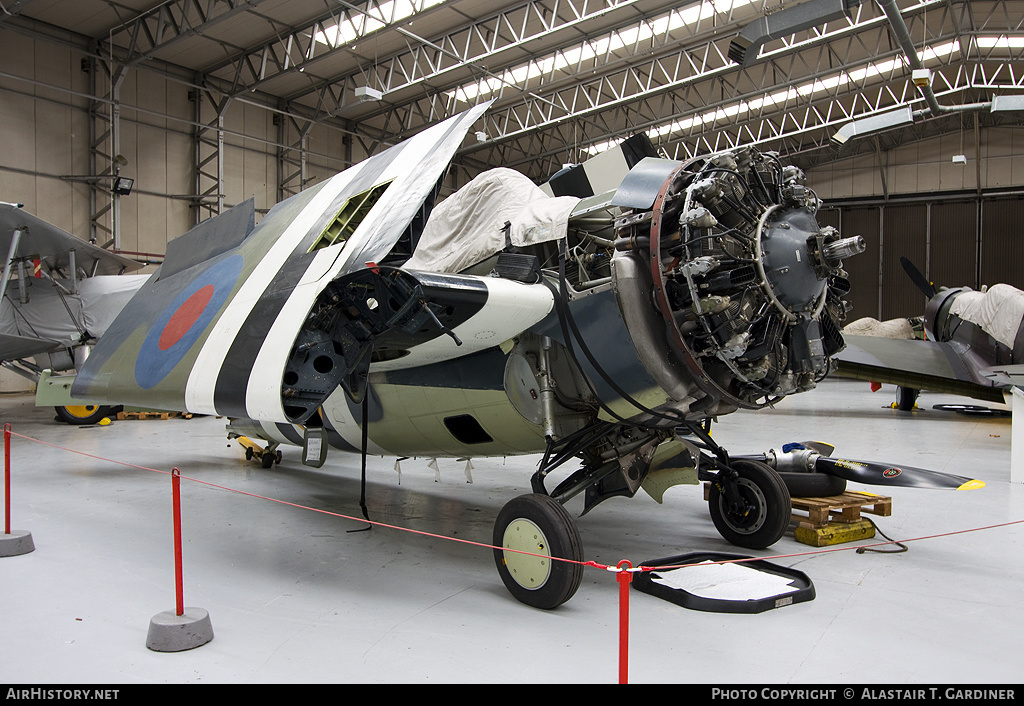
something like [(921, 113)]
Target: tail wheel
[(534, 532), (761, 515), (906, 398), (82, 414)]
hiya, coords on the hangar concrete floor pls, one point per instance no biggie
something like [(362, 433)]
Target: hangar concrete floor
[(294, 597)]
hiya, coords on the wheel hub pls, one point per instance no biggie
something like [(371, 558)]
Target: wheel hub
[(749, 516), (530, 572)]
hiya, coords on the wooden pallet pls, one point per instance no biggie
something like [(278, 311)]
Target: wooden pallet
[(845, 508), (146, 415)]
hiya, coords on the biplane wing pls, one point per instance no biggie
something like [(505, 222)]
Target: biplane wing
[(56, 250), (57, 291)]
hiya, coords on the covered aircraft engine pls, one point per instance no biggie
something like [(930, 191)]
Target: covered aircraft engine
[(732, 289)]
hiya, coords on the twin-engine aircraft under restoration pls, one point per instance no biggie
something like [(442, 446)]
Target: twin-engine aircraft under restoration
[(604, 330)]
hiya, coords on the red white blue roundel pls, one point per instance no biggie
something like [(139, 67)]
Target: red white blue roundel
[(184, 321)]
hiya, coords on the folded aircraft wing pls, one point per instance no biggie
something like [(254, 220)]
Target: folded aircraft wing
[(949, 367), (212, 330)]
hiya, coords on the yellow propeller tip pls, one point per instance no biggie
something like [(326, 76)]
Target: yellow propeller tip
[(972, 485)]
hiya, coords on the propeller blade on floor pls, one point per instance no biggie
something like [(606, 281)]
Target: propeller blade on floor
[(873, 473), (919, 279)]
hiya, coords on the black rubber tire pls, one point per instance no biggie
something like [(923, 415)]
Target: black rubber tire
[(768, 507), (813, 485), (906, 398), (267, 459), (82, 414), (554, 532)]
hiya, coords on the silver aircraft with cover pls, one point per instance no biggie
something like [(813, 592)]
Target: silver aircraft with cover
[(601, 331), (973, 345)]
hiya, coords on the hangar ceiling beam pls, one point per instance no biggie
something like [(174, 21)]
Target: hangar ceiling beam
[(143, 36), (299, 48)]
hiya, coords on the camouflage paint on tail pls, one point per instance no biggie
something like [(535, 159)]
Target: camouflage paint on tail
[(211, 330)]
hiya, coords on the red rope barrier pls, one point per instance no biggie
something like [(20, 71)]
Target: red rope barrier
[(624, 569), (483, 545)]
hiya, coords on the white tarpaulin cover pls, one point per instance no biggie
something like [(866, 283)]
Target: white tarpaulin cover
[(98, 301), (893, 328), (997, 311), (468, 226)]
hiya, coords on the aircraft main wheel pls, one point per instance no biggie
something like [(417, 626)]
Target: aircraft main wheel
[(762, 515), (81, 414), (537, 524)]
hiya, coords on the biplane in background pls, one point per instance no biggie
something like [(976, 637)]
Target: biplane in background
[(602, 329), (58, 294)]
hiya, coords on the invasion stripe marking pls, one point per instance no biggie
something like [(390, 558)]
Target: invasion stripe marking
[(415, 170), (201, 386)]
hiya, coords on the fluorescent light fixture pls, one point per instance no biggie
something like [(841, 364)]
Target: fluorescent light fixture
[(959, 159)]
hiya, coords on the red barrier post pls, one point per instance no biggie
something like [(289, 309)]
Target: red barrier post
[(7, 478), (624, 578), (178, 583)]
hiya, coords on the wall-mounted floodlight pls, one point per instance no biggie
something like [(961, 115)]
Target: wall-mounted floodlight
[(123, 185), (874, 123)]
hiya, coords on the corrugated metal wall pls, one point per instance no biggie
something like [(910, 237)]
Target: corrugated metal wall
[(953, 256), (904, 234), (1002, 242), (943, 240)]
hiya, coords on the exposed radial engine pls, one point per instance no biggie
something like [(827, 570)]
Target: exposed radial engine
[(748, 285)]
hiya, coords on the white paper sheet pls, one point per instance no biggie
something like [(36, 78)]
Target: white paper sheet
[(730, 581)]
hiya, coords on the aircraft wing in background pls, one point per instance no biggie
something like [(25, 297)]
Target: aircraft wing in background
[(950, 366)]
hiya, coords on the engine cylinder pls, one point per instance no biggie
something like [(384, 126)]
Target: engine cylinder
[(748, 285)]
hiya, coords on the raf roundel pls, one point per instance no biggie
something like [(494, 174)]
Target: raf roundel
[(184, 321)]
